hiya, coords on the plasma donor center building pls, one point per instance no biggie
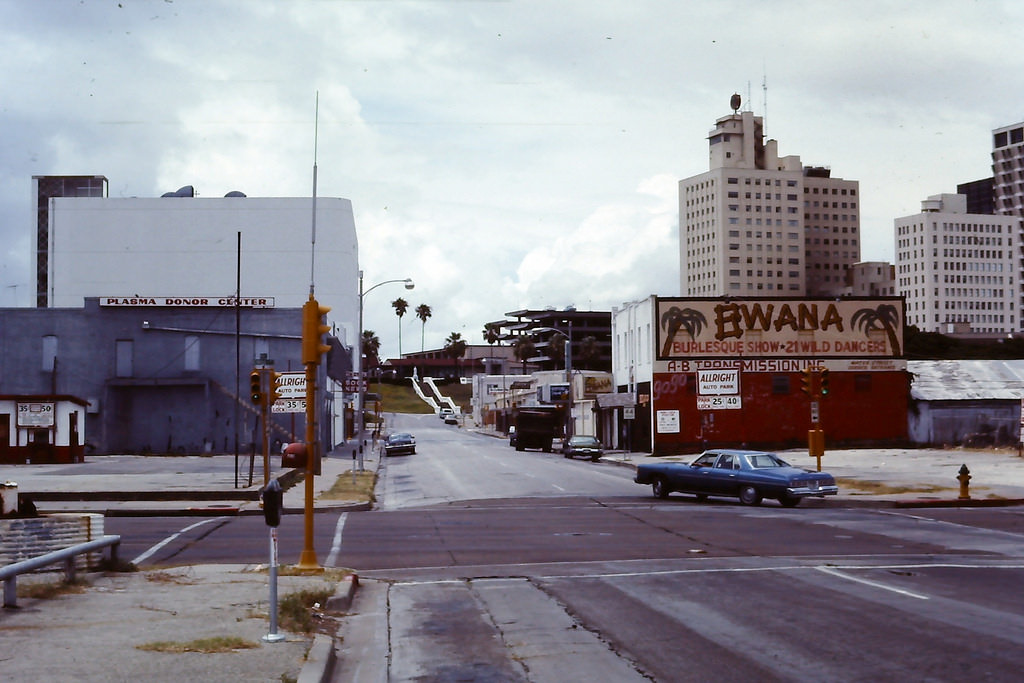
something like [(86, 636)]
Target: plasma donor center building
[(765, 371)]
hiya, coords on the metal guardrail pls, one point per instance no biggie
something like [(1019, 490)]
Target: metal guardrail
[(9, 574)]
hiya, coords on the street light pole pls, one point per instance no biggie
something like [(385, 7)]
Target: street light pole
[(361, 421)]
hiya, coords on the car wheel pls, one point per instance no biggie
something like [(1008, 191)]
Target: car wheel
[(789, 501), (702, 497), (659, 487), (750, 495), (518, 447), (566, 455), (595, 458)]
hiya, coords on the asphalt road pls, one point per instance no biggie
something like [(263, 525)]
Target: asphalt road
[(485, 564)]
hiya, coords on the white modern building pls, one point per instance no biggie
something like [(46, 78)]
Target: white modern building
[(191, 251), (757, 224), (958, 271)]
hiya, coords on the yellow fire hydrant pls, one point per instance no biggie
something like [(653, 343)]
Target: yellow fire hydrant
[(964, 478)]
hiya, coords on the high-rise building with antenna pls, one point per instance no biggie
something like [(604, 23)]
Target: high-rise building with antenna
[(757, 224)]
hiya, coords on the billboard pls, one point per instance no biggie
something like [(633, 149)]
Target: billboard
[(780, 327)]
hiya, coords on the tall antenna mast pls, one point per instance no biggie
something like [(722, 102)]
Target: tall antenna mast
[(764, 89), (312, 245)]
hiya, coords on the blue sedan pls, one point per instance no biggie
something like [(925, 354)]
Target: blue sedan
[(749, 475)]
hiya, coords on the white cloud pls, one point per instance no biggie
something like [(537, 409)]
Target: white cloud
[(501, 161)]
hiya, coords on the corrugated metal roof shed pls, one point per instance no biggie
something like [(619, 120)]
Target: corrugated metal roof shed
[(958, 380)]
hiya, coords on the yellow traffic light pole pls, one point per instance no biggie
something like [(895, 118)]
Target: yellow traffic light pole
[(313, 328), (815, 383)]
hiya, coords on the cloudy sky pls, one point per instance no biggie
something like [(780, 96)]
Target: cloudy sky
[(503, 154)]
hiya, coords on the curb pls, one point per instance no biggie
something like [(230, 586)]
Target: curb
[(322, 655)]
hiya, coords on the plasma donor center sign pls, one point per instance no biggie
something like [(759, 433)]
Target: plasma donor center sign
[(187, 301), (731, 328)]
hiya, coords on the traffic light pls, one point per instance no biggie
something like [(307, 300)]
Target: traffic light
[(313, 329), (273, 387), (823, 380), (256, 387), (807, 381)]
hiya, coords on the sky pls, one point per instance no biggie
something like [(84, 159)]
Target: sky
[(504, 154)]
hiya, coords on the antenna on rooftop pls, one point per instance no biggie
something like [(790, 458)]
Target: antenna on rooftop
[(312, 246), (764, 89)]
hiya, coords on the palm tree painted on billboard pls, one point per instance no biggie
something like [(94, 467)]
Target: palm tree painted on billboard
[(884, 317), (675, 319)]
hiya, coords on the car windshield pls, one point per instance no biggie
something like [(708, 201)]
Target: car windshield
[(760, 460), (400, 438), (584, 441)]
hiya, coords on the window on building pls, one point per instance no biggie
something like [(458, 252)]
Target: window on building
[(780, 384)]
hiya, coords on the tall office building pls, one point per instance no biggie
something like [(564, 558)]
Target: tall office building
[(44, 188), (958, 271), (757, 224)]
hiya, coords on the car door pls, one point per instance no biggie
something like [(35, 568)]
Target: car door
[(723, 477), (699, 476)]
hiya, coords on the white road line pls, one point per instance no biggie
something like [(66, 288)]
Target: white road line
[(874, 584), (558, 487), (149, 553), (336, 543)]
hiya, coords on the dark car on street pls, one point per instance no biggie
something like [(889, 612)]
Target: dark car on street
[(585, 446), (750, 476), (400, 444)]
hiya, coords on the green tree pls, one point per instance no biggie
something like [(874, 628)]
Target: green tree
[(371, 349), (455, 346), (524, 349), (401, 306), (423, 312), (589, 353)]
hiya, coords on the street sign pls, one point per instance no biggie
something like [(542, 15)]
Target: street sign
[(718, 382), (289, 405), (719, 403), (292, 385), (629, 413)]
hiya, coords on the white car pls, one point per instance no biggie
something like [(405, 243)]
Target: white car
[(445, 412)]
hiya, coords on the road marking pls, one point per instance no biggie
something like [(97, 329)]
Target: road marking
[(867, 582), (336, 543), (149, 553), (558, 487)]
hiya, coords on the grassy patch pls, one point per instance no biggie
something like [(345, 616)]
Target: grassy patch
[(295, 610), (46, 590), (401, 398), (166, 577), (205, 645), (344, 489), (877, 488)]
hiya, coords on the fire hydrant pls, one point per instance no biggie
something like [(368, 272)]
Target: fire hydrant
[(965, 482)]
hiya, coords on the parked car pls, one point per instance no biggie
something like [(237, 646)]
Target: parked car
[(451, 419), (749, 475), (399, 443), (587, 446), (442, 413)]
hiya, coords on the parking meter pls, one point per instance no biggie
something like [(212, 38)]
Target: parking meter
[(273, 498)]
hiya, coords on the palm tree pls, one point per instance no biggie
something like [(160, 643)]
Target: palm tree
[(590, 352), (455, 346), (524, 349), (556, 348), (371, 349), (401, 306), (423, 312), (885, 317), (675, 319), (491, 335)]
